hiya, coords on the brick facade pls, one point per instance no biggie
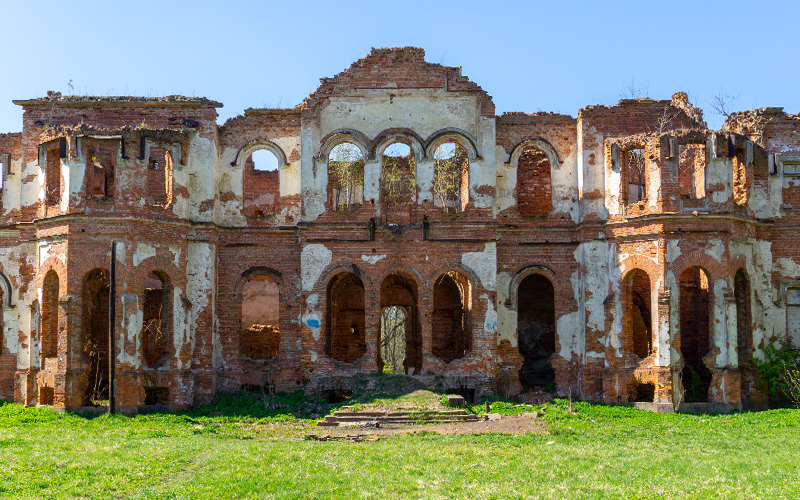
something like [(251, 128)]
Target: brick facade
[(627, 255)]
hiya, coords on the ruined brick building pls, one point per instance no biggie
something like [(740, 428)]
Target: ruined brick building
[(628, 254)]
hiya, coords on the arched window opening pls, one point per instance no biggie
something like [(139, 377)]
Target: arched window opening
[(740, 184), (534, 191), (637, 319), (101, 160), (260, 330), (692, 161), (451, 314), (157, 320), (744, 333), (536, 328), (52, 176), (695, 334), (345, 336), (401, 292), (393, 339), (398, 182), (49, 319), (451, 177), (159, 177), (345, 177), (634, 175), (262, 183), (95, 336)]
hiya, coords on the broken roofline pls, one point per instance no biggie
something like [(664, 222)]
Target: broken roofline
[(76, 100)]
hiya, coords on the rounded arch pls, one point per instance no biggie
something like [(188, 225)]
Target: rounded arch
[(330, 272), (522, 273), (159, 264), (340, 136), (462, 137), (698, 259), (5, 287), (53, 264), (345, 337), (637, 312), (406, 136), (642, 263), (256, 145), (539, 144), (451, 325)]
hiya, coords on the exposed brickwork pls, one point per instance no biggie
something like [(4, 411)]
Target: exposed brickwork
[(604, 256)]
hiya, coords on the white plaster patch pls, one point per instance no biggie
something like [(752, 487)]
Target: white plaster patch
[(131, 327), (506, 317), (567, 328), (143, 252), (313, 260), (483, 264), (673, 250), (716, 250), (372, 259), (311, 317), (787, 267), (490, 323)]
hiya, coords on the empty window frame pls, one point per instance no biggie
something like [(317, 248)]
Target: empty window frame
[(534, 191), (261, 178), (159, 177), (451, 177), (52, 175), (156, 320), (740, 181), (101, 162), (634, 175), (637, 319), (260, 331), (345, 177), (692, 161)]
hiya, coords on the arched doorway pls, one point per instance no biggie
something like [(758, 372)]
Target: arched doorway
[(637, 318), (345, 336), (744, 333), (400, 292), (536, 329), (695, 334), (95, 336), (450, 323), (394, 323)]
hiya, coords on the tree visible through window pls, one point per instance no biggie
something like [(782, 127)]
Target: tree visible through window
[(346, 177), (451, 177)]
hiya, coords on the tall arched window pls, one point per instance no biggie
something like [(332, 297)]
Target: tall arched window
[(345, 177), (450, 322), (262, 185), (536, 328), (398, 182), (345, 325), (157, 321), (694, 306), (49, 318), (95, 336), (451, 177), (260, 330), (637, 319), (534, 191), (159, 177)]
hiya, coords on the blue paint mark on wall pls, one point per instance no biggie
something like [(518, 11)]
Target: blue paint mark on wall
[(313, 323)]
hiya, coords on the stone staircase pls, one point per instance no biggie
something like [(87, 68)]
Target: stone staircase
[(396, 418)]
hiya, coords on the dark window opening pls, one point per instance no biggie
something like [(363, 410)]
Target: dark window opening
[(260, 331), (450, 322), (451, 177), (95, 336), (534, 190), (536, 327), (157, 319), (695, 334), (156, 396), (101, 160), (345, 335), (644, 393), (46, 396), (53, 177), (399, 293), (49, 318), (159, 177), (345, 177), (261, 179), (334, 396), (744, 333), (637, 327)]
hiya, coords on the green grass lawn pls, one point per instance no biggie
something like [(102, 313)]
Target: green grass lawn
[(253, 452)]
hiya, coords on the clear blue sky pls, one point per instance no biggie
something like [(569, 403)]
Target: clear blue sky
[(530, 56)]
